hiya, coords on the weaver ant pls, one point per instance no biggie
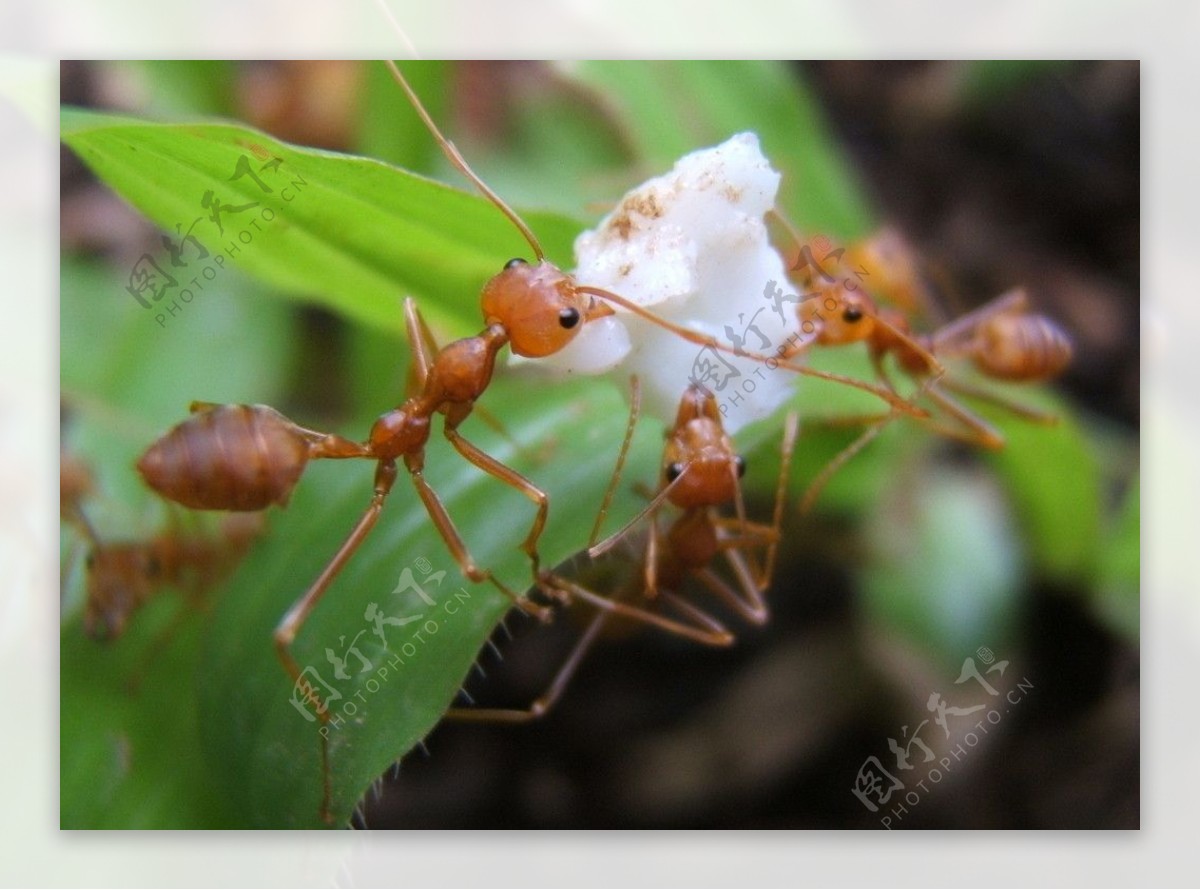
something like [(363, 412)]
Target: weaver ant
[(121, 576), (700, 473), (239, 457), (1003, 339)]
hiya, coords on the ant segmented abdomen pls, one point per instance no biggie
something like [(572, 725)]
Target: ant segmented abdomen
[(1022, 347), (228, 457)]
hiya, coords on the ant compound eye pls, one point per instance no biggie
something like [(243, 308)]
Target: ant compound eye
[(852, 314), (740, 463), (514, 262), (568, 317), (674, 471)]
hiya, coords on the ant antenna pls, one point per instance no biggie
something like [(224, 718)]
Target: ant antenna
[(635, 405), (460, 162)]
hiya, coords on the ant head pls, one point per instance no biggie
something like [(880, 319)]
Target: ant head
[(118, 577), (839, 316), (699, 451), (539, 306)]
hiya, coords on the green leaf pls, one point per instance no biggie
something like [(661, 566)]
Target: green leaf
[(264, 746), (1118, 584), (946, 562), (352, 234), (357, 237), (129, 729), (132, 758), (1053, 479), (388, 129)]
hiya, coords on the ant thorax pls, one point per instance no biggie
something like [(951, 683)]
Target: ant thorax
[(692, 247)]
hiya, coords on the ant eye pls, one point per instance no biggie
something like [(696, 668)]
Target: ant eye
[(674, 471), (568, 318), (740, 463), (852, 314), (515, 261)]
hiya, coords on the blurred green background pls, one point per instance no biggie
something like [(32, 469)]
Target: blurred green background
[(919, 555)]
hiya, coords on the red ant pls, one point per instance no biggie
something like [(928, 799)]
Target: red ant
[(239, 457), (700, 473), (1003, 339), (122, 576)]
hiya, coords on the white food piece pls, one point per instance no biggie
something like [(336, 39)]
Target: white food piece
[(692, 247)]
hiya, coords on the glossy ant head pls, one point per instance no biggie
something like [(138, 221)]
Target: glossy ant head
[(539, 306), (699, 461), (839, 316)]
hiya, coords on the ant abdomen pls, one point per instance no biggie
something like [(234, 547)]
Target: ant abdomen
[(228, 457), (1022, 347)]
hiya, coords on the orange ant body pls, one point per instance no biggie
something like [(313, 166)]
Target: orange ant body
[(1003, 339), (700, 473), (238, 457)]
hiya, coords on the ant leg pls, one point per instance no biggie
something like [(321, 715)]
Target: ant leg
[(839, 460), (289, 626), (509, 476), (747, 534), (706, 629), (1014, 300), (1025, 412), (454, 542), (750, 605), (420, 339), (978, 431), (548, 699)]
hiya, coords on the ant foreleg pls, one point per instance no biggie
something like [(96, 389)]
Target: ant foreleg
[(509, 476), (454, 542), (706, 630), (1025, 412)]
